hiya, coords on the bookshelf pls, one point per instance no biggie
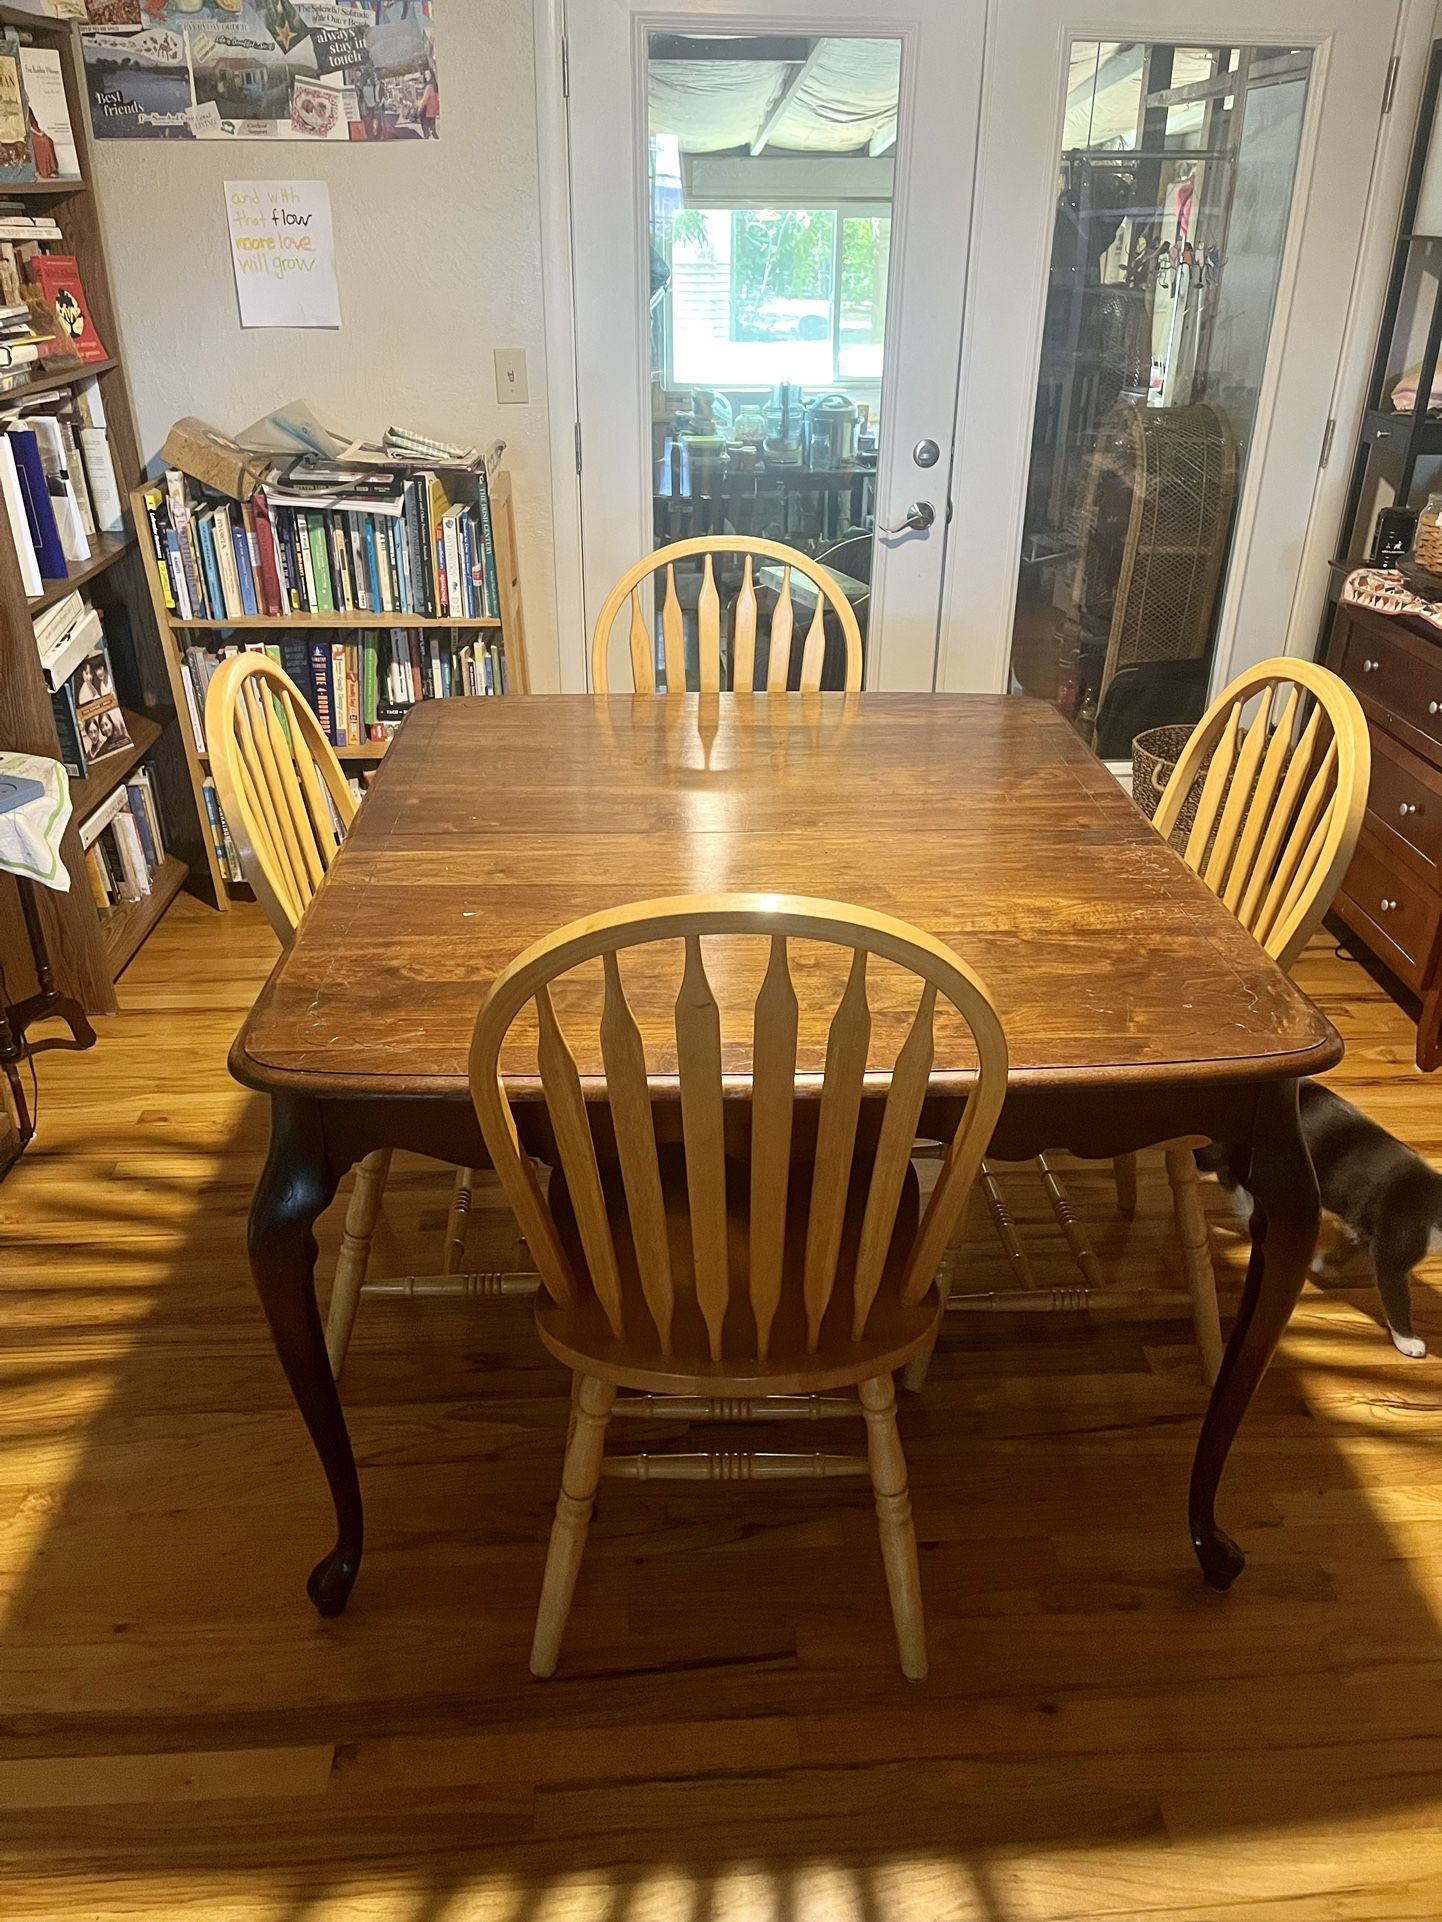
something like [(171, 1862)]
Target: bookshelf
[(177, 634), (88, 953)]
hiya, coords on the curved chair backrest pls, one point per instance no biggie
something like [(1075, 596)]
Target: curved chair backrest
[(743, 664), (1281, 798), (748, 1265), (281, 788)]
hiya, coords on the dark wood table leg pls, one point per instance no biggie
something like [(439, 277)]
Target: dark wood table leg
[(297, 1186), (1286, 1215)]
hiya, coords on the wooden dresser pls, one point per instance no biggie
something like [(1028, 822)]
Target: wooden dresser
[(1391, 899)]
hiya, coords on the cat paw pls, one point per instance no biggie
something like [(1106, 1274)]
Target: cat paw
[(1412, 1346)]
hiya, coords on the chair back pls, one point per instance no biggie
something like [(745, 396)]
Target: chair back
[(748, 1253), (711, 670), (281, 788), (1281, 798)]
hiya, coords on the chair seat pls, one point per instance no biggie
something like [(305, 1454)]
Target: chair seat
[(583, 1339)]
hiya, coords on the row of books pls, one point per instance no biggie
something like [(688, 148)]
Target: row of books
[(323, 540), (361, 689), (58, 484), (123, 844), (219, 829), (44, 315), (75, 661)]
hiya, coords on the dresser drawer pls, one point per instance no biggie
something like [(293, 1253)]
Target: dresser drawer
[(1395, 913), (1398, 679), (1404, 808)]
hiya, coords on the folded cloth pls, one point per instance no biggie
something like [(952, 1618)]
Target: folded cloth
[(1404, 394), (30, 834), (1385, 591)]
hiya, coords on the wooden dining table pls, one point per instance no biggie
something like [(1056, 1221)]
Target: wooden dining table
[(1136, 1008)]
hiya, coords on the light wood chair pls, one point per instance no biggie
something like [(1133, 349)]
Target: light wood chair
[(743, 658), (1279, 801), (1274, 784), (732, 1260), (288, 806)]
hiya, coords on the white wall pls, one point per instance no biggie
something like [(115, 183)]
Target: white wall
[(439, 263)]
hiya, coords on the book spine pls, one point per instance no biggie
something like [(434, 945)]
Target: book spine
[(416, 545), (139, 815), (306, 556), (67, 731), (492, 608), (320, 674), (354, 721), (272, 593), (104, 488), (339, 694), (175, 562), (320, 565), (295, 659), (244, 576), (217, 831), (154, 505), (215, 592), (372, 564)]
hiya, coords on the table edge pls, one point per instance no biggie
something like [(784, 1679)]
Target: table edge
[(1234, 1071)]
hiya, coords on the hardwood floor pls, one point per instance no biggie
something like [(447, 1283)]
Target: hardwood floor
[(727, 1739)]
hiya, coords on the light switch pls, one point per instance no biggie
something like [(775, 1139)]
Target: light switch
[(511, 384)]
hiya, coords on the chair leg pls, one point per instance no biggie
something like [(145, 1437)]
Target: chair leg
[(579, 1476), (913, 1376), (1124, 1172), (1196, 1257), (893, 1515), (459, 1221), (355, 1253)]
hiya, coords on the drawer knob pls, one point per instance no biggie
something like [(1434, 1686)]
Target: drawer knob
[(1389, 907), (1407, 809), (1370, 667), (1434, 707)]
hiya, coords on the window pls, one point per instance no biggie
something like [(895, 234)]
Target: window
[(761, 295)]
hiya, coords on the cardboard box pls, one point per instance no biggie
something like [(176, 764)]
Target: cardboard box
[(214, 460)]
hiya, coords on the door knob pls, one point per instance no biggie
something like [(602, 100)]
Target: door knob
[(919, 516)]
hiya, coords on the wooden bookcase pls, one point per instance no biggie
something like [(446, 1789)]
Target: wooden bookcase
[(177, 635), (89, 954)]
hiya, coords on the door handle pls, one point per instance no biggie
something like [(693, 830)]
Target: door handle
[(919, 517)]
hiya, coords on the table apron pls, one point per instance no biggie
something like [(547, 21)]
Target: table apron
[(1092, 1122)]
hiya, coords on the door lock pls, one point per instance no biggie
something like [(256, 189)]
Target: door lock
[(926, 453), (919, 517)]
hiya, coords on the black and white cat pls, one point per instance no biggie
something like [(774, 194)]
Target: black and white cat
[(1384, 1199)]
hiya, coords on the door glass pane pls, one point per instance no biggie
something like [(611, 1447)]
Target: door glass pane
[(771, 164), (1174, 194)]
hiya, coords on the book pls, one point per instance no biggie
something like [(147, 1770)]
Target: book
[(58, 278), (56, 155), (51, 446), (25, 549), (44, 527), (71, 648), (97, 706), (17, 155), (100, 472)]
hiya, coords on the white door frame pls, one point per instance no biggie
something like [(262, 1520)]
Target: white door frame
[(1416, 24)]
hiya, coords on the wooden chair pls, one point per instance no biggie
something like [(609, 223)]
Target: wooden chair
[(288, 806), (1279, 801), (1272, 806), (730, 1260), (743, 657)]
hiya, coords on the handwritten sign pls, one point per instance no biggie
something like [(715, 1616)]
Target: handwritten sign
[(282, 244)]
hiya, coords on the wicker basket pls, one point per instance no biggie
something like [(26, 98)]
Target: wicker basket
[(1155, 754)]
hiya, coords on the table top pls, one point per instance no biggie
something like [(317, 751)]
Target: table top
[(982, 819)]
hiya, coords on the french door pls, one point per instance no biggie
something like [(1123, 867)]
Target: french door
[(1024, 320), (770, 223)]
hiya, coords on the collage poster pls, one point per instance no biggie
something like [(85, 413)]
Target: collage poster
[(356, 70)]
